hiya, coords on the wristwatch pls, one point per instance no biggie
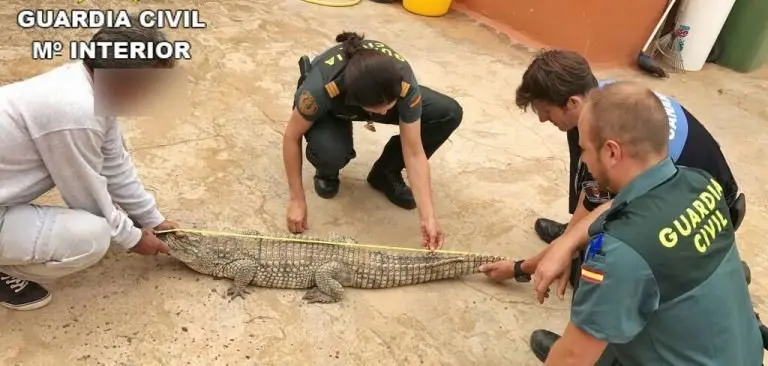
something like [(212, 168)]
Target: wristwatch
[(518, 271)]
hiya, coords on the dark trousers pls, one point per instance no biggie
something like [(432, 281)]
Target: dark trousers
[(330, 146)]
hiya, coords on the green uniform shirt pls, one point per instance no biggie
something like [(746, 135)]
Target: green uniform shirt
[(322, 93), (662, 280)]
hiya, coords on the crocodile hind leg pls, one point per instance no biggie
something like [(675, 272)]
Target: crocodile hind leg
[(243, 272), (328, 289)]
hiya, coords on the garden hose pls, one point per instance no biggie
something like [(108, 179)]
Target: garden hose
[(334, 3)]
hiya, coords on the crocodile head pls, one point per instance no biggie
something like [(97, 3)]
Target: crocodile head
[(189, 248)]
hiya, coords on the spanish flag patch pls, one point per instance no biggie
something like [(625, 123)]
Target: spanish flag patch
[(592, 275)]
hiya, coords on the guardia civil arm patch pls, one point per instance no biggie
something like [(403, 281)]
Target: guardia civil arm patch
[(307, 104), (592, 275)]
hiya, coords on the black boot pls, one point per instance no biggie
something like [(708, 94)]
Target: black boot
[(764, 335), (548, 230), (541, 342), (18, 294), (326, 184), (392, 184), (747, 272)]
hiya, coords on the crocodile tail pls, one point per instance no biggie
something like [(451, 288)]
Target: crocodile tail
[(457, 267), (397, 275)]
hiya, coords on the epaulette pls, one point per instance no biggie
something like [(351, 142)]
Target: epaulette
[(415, 101), (607, 216), (404, 88), (332, 89)]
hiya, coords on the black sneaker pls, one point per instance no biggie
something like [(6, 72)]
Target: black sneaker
[(541, 342), (548, 230), (764, 335), (19, 294), (393, 186), (747, 272), (326, 184)]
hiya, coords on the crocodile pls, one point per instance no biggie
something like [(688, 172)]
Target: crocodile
[(292, 261)]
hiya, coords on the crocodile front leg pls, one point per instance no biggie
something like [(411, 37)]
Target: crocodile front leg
[(328, 289), (242, 273)]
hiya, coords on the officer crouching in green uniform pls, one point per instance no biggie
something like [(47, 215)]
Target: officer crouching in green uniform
[(366, 80), (662, 281)]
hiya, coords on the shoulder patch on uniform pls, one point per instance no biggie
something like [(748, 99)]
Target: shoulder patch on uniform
[(307, 103), (404, 88), (415, 101), (592, 275), (332, 89)]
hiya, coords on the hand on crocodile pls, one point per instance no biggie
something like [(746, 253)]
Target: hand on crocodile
[(499, 271), (167, 225), (431, 234), (504, 270), (296, 219), (149, 244)]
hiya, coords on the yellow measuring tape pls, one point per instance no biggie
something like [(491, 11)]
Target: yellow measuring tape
[(302, 240)]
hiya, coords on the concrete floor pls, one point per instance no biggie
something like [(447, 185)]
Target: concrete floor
[(219, 164)]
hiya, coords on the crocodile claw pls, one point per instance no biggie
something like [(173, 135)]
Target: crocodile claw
[(235, 291), (315, 296)]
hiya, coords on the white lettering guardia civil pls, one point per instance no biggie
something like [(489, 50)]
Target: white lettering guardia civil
[(165, 18), (70, 19)]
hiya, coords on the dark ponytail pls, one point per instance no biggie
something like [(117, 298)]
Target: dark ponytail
[(372, 78), (351, 41)]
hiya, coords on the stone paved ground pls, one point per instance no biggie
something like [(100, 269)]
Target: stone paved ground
[(219, 164)]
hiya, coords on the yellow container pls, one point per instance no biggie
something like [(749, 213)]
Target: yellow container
[(429, 8)]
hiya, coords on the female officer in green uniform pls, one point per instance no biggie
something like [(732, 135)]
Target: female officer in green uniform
[(366, 80)]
